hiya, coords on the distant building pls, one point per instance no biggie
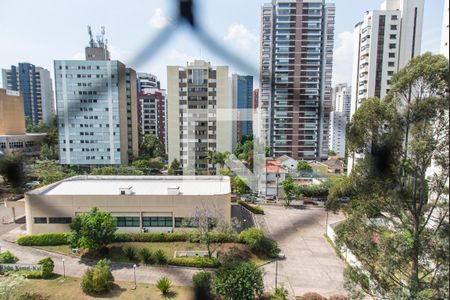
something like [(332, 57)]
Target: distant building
[(342, 99), (275, 174), (138, 203), (97, 109), (297, 39), (199, 114), (35, 86), (384, 42), (152, 107), (288, 162), (445, 32), (12, 126), (242, 94), (338, 123)]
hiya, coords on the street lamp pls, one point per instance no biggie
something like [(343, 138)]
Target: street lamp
[(64, 268), (134, 271)]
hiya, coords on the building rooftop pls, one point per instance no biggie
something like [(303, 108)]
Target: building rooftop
[(138, 185)]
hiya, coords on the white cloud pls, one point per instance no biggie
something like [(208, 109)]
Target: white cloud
[(158, 19), (78, 56), (241, 37), (343, 56), (117, 53)]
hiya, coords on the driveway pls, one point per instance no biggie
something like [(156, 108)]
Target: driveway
[(311, 265)]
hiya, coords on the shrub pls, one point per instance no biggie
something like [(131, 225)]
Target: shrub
[(44, 239), (280, 293), (164, 285), (33, 296), (196, 262), (312, 296), (258, 242), (239, 281), (256, 209), (130, 253), (146, 256), (8, 258), (160, 257), (150, 237), (47, 267), (30, 274), (97, 279), (202, 285)]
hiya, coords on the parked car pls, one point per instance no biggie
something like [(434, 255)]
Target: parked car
[(344, 199), (31, 184)]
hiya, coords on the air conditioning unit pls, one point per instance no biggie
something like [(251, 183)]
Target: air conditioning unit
[(173, 190), (126, 190)]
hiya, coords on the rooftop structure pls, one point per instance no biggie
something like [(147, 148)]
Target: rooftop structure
[(138, 185)]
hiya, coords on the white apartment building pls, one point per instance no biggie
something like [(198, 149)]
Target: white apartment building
[(97, 110), (342, 99), (338, 122), (445, 32), (199, 114), (384, 42)]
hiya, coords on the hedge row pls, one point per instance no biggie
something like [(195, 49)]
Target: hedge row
[(256, 209), (44, 239), (197, 262), (54, 239)]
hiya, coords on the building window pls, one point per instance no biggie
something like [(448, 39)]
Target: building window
[(185, 222), (157, 221), (392, 46), (391, 54), (62, 220), (128, 222), (40, 220), (391, 64)]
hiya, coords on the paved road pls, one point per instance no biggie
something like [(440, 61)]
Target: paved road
[(75, 267), (311, 264), (243, 216)]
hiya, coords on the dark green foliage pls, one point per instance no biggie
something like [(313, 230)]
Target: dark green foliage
[(239, 281), (146, 256), (97, 279), (174, 168), (93, 231), (11, 169), (280, 293), (151, 147), (8, 258), (117, 171), (49, 171), (130, 253), (44, 239), (47, 267), (164, 285), (160, 257), (303, 166), (256, 209), (196, 262), (258, 242), (202, 285), (290, 190), (150, 237)]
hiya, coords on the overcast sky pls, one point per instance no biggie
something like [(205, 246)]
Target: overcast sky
[(40, 31)]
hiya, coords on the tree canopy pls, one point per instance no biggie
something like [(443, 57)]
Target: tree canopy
[(397, 219)]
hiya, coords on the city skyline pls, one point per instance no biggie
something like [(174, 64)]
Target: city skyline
[(239, 32)]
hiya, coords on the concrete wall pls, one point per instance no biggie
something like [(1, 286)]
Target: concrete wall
[(124, 205)]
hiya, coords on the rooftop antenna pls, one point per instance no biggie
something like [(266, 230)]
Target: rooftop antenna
[(91, 40)]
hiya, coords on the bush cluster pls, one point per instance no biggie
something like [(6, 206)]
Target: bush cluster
[(47, 267), (196, 262), (44, 239), (202, 285), (8, 258), (98, 278), (152, 237), (164, 285), (256, 209), (258, 242)]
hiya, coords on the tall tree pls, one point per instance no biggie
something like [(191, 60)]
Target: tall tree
[(174, 168), (11, 168), (151, 147), (397, 221), (290, 190)]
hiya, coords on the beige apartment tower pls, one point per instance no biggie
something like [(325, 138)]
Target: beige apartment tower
[(12, 117), (199, 114)]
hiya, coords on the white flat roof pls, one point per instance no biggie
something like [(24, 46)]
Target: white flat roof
[(140, 185)]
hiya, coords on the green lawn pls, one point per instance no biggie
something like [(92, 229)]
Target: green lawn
[(116, 250), (69, 289)]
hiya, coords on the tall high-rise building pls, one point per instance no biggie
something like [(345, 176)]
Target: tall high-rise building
[(445, 32), (199, 114), (384, 42), (97, 110), (296, 68), (339, 118), (242, 94), (152, 107), (35, 86)]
